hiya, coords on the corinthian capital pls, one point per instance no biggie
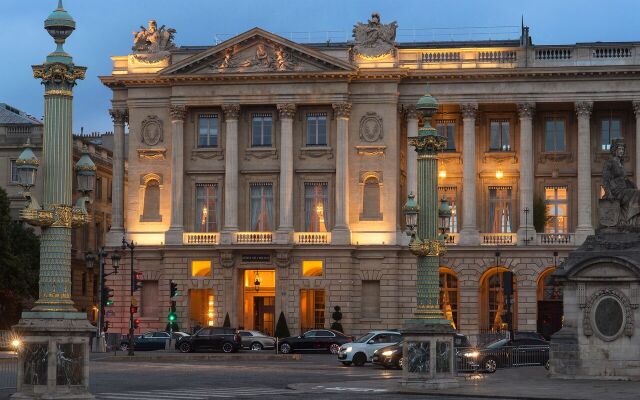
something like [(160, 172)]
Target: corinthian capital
[(411, 112), (342, 109), (231, 111), (178, 112), (526, 110), (636, 107), (584, 108), (119, 116), (287, 110), (469, 110)]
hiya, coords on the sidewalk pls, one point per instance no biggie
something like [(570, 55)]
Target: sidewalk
[(160, 355), (515, 383)]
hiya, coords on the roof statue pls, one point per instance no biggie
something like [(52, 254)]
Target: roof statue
[(153, 44), (620, 205), (374, 39)]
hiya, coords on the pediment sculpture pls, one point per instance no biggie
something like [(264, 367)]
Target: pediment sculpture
[(152, 44), (262, 58), (620, 205), (374, 39)]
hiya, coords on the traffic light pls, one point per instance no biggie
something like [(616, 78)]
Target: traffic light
[(107, 294), (173, 289), (136, 323), (136, 282), (134, 309), (172, 317)]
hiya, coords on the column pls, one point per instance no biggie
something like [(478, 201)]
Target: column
[(469, 235), (412, 156), (231, 114), (285, 227), (340, 233), (636, 172), (526, 230), (584, 228), (114, 236), (174, 235)]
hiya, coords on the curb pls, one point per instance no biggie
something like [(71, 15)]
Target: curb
[(203, 357)]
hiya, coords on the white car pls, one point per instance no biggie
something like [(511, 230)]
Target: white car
[(361, 350)]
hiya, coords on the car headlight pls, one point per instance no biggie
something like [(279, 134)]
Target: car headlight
[(471, 354), (15, 344), (349, 349), (387, 353)]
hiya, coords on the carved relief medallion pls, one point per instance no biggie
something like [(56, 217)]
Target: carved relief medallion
[(371, 127), (151, 131)]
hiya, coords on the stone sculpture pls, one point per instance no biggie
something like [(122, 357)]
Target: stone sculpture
[(374, 39), (153, 44), (621, 203)]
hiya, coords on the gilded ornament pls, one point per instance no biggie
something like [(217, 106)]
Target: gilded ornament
[(58, 92)]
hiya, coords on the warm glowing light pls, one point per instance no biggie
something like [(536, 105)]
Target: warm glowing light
[(201, 268), (312, 268), (210, 311), (499, 174), (442, 174)]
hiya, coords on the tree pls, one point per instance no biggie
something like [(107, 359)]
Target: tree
[(282, 330), (540, 214), (337, 316), (227, 321)]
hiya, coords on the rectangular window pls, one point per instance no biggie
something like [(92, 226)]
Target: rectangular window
[(447, 129), (201, 308), (261, 210), (500, 138), (312, 314), (316, 207), (554, 135), (14, 172), (370, 299), (450, 193), (312, 267), (261, 130), (317, 129), (500, 209), (206, 207), (201, 268), (556, 201), (98, 188), (208, 130), (610, 128), (149, 305)]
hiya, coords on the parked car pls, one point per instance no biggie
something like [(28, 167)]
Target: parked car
[(528, 335), (213, 339), (315, 340), (391, 356), (361, 350), (256, 340), (512, 353), (151, 340)]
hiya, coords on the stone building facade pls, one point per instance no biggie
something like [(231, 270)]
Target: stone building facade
[(261, 160)]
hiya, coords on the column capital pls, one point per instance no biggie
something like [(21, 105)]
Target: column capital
[(584, 108), (231, 111), (526, 110), (342, 110), (119, 116), (636, 107), (469, 110), (286, 110), (410, 111), (178, 112)]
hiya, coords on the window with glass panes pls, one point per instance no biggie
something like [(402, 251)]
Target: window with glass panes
[(261, 130), (447, 128), (206, 208), (449, 295), (14, 171), (450, 193), (554, 135), (316, 207), (500, 209), (261, 207), (496, 302), (556, 201), (316, 129), (610, 128), (499, 139), (208, 130)]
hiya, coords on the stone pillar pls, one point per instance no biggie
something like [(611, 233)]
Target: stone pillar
[(114, 236), (412, 155), (341, 233), (231, 114), (285, 227), (469, 235), (526, 231), (174, 235), (585, 227), (636, 172)]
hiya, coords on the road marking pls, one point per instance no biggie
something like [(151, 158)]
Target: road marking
[(193, 394), (349, 389)]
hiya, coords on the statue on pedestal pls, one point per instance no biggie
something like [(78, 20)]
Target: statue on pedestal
[(620, 205), (152, 44)]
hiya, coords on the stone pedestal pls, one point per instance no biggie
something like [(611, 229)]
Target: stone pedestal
[(54, 360)]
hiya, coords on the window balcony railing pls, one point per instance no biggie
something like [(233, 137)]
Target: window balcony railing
[(253, 237), (498, 239), (200, 238), (452, 239), (567, 239), (312, 237)]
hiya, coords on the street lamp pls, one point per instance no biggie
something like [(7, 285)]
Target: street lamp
[(257, 281), (115, 264), (131, 246), (444, 218)]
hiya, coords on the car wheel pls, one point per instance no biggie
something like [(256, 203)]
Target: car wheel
[(255, 346), (124, 347), (490, 365), (346, 363), (547, 365), (185, 348), (285, 348), (334, 348), (359, 359), (401, 363), (227, 347)]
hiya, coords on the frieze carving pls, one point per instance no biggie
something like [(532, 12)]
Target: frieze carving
[(315, 152), (371, 150), (267, 57), (260, 153), (469, 110), (283, 259), (151, 131), (526, 110), (371, 127), (374, 39), (207, 154), (555, 156), (152, 44), (287, 110), (152, 154), (231, 111), (584, 108), (178, 112), (226, 259), (588, 317), (342, 110), (119, 116)]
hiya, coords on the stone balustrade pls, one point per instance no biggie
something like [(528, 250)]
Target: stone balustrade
[(498, 239), (312, 237), (555, 239), (452, 239), (253, 237), (200, 238)]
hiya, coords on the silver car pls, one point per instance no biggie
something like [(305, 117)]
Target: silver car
[(255, 340)]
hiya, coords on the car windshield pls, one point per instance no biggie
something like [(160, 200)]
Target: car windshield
[(365, 338), (498, 344)]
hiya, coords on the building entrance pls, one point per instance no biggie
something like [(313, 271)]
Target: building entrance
[(259, 291)]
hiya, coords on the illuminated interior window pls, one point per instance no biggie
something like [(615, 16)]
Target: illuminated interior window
[(210, 311), (201, 311), (312, 268), (267, 278), (201, 268)]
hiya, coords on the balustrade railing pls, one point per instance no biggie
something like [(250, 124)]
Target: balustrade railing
[(312, 237), (497, 56), (200, 238), (498, 239), (452, 238), (556, 238), (611, 52), (553, 53), (253, 237)]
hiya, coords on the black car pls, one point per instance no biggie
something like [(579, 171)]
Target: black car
[(391, 356), (213, 339), (151, 340), (512, 353), (315, 340)]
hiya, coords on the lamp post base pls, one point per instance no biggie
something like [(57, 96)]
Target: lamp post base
[(53, 362)]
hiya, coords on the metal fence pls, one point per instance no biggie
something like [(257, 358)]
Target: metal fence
[(8, 373)]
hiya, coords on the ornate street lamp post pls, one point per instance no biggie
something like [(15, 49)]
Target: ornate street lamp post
[(428, 337), (53, 363)]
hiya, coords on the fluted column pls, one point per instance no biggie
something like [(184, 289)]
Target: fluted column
[(412, 155), (285, 227), (340, 233), (526, 230), (174, 235), (585, 227), (119, 117), (469, 235), (231, 114), (636, 110)]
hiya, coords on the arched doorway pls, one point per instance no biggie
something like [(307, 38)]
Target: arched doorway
[(493, 307), (449, 295), (550, 312)]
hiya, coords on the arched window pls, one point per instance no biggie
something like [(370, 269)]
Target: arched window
[(550, 309), (494, 301), (151, 210), (371, 199), (449, 295)]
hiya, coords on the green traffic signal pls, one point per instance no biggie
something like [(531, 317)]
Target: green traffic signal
[(109, 303), (172, 317)]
